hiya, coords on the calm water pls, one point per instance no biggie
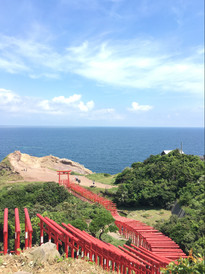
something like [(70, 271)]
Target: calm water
[(107, 150)]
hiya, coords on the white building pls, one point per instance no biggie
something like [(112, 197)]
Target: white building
[(165, 152)]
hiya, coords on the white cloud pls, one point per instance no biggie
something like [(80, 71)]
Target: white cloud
[(44, 105), (71, 106), (11, 102), (106, 114), (137, 107), (63, 105), (139, 64), (139, 67), (12, 66), (86, 107), (8, 97), (68, 101), (45, 75)]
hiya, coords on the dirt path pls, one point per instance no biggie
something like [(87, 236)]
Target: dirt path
[(116, 235), (87, 182)]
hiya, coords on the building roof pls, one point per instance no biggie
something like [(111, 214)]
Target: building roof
[(165, 152)]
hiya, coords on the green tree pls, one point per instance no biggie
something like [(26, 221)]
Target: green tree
[(103, 222), (80, 224)]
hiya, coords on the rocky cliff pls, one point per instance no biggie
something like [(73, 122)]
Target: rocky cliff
[(30, 168)]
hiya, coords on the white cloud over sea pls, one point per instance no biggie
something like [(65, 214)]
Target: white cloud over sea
[(11, 102), (72, 106), (137, 107)]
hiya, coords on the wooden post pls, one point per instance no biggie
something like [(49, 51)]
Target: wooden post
[(41, 232), (17, 231), (5, 230)]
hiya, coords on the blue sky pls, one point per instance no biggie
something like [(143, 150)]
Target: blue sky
[(102, 63)]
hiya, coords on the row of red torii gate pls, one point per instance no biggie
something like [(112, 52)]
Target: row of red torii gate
[(150, 249)]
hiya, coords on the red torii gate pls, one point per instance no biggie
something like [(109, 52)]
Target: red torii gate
[(65, 181)]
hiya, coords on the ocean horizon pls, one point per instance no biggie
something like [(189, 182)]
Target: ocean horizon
[(101, 149)]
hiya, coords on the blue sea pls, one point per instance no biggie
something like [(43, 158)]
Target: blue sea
[(101, 149)]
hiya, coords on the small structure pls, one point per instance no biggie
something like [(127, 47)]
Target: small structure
[(165, 152), (63, 172)]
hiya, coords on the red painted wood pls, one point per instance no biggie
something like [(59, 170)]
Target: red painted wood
[(5, 230)]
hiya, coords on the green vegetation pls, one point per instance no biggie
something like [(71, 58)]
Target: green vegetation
[(192, 264), (116, 242), (107, 193), (103, 178), (189, 231), (143, 192), (149, 216), (161, 180), (102, 223), (53, 201), (158, 181), (76, 173)]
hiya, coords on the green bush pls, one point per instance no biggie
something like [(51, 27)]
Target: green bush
[(159, 180), (192, 264)]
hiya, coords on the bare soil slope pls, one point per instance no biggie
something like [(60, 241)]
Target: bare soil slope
[(44, 169)]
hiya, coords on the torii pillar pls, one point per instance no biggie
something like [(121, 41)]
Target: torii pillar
[(64, 172)]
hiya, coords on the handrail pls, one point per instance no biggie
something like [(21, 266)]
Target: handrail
[(49, 224)]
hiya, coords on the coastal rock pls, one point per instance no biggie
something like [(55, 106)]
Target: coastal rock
[(7, 171), (31, 168)]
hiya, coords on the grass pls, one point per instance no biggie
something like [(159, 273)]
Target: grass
[(149, 216), (103, 178), (76, 173), (95, 190), (52, 169), (106, 193), (109, 239), (10, 184)]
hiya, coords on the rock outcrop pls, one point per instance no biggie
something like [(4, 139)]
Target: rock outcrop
[(45, 253), (25, 161)]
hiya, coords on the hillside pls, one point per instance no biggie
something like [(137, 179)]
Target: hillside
[(158, 181), (19, 166), (161, 180)]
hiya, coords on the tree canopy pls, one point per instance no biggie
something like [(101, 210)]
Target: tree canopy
[(103, 222), (161, 180), (158, 181)]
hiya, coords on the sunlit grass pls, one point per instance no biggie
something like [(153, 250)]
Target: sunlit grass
[(103, 178), (149, 216)]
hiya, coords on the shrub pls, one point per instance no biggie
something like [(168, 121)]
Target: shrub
[(192, 264)]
